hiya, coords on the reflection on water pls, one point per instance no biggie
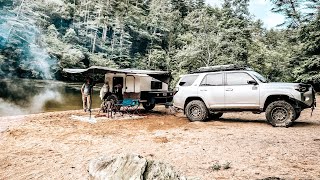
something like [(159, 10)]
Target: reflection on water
[(24, 96)]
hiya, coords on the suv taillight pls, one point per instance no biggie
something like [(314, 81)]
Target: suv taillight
[(175, 90)]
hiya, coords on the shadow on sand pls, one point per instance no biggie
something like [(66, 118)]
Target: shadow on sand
[(232, 120), (236, 120), (305, 124)]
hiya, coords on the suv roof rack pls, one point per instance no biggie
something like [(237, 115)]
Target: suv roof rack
[(229, 67)]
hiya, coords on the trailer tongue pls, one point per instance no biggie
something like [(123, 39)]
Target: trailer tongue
[(147, 86)]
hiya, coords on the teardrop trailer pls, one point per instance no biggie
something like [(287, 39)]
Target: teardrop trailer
[(147, 87)]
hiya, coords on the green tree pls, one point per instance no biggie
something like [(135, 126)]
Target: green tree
[(296, 12), (307, 61)]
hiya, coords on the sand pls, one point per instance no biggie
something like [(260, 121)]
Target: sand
[(54, 146)]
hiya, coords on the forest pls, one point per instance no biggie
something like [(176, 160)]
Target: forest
[(40, 37)]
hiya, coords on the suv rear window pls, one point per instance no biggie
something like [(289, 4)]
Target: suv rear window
[(188, 80), (212, 80)]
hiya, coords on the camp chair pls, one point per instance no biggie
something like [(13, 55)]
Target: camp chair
[(129, 106)]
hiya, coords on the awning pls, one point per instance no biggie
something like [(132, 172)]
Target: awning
[(163, 76)]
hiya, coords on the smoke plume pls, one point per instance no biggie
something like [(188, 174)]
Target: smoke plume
[(23, 54), (22, 51), (19, 96)]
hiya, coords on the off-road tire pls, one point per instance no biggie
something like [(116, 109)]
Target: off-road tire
[(214, 116), (196, 110), (148, 106), (280, 114)]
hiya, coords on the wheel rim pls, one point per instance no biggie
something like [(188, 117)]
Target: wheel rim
[(279, 114), (195, 111)]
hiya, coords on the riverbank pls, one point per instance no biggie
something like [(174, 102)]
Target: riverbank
[(30, 96), (53, 146)]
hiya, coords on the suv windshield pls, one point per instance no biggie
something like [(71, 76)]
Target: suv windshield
[(260, 77)]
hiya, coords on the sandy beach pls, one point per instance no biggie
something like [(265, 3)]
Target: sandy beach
[(54, 146)]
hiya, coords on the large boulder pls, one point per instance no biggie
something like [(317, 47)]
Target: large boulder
[(161, 171), (131, 167), (119, 168)]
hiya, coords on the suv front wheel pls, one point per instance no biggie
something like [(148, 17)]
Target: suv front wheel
[(196, 110), (280, 114)]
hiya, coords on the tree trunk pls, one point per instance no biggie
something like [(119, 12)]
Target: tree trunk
[(18, 15), (112, 42), (94, 42), (87, 14), (121, 39), (295, 14), (151, 45), (104, 33)]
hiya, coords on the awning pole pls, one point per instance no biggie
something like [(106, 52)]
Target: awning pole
[(125, 83)]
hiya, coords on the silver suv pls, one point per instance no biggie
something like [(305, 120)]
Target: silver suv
[(211, 91)]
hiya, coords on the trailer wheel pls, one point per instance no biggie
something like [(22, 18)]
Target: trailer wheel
[(148, 106)]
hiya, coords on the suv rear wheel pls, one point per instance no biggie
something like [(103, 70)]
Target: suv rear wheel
[(280, 114), (196, 110)]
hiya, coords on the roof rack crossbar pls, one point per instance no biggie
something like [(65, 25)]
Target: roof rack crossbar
[(229, 67)]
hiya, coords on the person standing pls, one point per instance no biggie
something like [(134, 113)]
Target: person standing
[(86, 91), (104, 91)]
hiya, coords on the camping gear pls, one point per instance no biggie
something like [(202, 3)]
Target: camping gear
[(145, 86), (130, 106)]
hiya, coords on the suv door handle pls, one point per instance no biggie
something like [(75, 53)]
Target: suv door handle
[(229, 89), (203, 90)]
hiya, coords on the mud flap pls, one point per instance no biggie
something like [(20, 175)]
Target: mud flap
[(314, 105)]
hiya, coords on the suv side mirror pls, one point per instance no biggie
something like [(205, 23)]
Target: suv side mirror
[(253, 82)]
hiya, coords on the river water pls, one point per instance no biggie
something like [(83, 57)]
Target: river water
[(25, 96)]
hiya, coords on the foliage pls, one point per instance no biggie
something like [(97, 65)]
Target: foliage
[(296, 12), (217, 166), (307, 61), (303, 18), (39, 38)]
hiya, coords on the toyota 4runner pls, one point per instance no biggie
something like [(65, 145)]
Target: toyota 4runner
[(211, 91)]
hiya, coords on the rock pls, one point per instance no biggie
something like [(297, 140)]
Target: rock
[(160, 171), (120, 168), (271, 178), (131, 167)]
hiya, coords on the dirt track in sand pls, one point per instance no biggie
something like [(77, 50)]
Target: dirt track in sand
[(52, 146)]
